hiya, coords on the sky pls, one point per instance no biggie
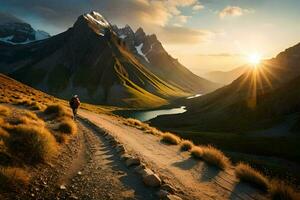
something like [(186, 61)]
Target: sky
[(205, 35)]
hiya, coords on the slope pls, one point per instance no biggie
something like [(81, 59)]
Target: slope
[(89, 60)]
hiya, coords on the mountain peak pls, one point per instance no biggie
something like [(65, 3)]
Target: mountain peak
[(96, 18)]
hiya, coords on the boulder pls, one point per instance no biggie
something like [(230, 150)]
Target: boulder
[(146, 172), (139, 168), (120, 148), (162, 194), (173, 197), (125, 156), (132, 161), (168, 188), (152, 180)]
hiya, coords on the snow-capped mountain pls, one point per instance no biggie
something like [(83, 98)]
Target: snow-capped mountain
[(150, 51), (15, 31)]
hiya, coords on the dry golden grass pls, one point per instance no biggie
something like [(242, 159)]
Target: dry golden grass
[(3, 133), (215, 157), (67, 126), (4, 110), (197, 152), (153, 131), (279, 190), (247, 174), (31, 144), (134, 122), (57, 110), (12, 178), (186, 145), (170, 138), (211, 155)]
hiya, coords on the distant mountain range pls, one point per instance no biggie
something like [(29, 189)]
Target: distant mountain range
[(102, 64), (257, 99), (15, 31), (226, 77)]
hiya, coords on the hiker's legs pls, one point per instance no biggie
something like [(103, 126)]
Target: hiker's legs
[(74, 112)]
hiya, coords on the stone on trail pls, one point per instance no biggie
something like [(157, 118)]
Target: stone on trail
[(168, 188), (62, 187), (152, 180), (173, 197), (132, 161), (162, 194)]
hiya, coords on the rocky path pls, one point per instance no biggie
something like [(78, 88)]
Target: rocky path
[(192, 179), (88, 168)]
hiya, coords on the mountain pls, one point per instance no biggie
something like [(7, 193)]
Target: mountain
[(226, 77), (90, 60), (259, 98), (15, 31), (151, 53)]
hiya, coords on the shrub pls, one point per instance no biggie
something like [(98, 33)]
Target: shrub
[(170, 138), (281, 191), (13, 178), (197, 152), (134, 122), (215, 157), (67, 126), (31, 143), (36, 106), (247, 174), (4, 110), (153, 131), (56, 110), (186, 145)]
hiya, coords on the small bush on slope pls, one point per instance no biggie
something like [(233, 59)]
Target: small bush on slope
[(57, 110), (247, 174), (31, 143), (170, 138), (134, 122), (211, 155), (186, 145), (4, 110), (13, 178), (281, 191), (197, 152), (67, 126)]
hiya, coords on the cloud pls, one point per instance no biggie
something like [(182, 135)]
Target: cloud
[(184, 35), (222, 55), (198, 7), (162, 17), (233, 11)]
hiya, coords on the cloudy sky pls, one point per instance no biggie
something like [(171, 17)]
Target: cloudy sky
[(203, 34)]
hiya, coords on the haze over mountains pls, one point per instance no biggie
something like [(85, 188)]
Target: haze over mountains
[(255, 99), (103, 64)]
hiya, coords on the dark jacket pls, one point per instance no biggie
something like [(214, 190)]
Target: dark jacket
[(74, 102)]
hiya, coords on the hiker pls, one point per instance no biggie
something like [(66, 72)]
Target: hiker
[(74, 104)]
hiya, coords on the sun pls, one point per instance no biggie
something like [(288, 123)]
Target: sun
[(254, 59)]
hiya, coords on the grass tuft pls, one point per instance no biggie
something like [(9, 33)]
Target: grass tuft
[(13, 178), (4, 110), (247, 174), (31, 143), (197, 152), (279, 190), (67, 126), (170, 138), (186, 145), (57, 110), (215, 157)]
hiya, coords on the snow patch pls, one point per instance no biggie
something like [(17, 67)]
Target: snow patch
[(9, 38), (139, 50), (41, 35), (98, 19)]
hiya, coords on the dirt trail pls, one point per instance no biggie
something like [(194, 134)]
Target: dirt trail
[(193, 179), (87, 168)]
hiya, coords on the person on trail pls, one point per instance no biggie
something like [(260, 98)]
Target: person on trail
[(74, 104)]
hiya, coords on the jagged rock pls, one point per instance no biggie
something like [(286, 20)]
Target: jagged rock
[(125, 156), (152, 180), (120, 148), (168, 188), (140, 168), (132, 161), (146, 172), (162, 194), (173, 197)]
